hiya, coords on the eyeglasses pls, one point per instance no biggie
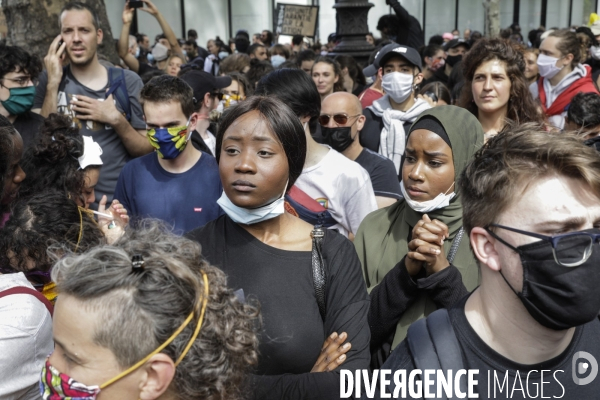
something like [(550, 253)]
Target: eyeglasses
[(22, 81), (339, 119), (218, 95), (570, 249)]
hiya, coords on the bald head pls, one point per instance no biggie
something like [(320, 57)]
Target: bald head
[(341, 103)]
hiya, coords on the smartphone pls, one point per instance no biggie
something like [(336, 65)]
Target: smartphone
[(136, 4), (431, 95), (60, 43)]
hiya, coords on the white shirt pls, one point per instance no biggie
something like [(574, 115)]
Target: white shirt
[(341, 186), (25, 340)]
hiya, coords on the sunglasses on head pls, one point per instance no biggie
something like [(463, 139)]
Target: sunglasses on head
[(340, 119)]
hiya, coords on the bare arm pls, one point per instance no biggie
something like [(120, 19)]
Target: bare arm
[(134, 141), (166, 28), (123, 47)]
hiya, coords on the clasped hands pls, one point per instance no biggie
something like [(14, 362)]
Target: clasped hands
[(426, 248)]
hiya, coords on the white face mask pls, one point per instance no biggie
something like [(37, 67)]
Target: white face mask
[(398, 85), (277, 60), (440, 201), (249, 216), (595, 52), (547, 66)]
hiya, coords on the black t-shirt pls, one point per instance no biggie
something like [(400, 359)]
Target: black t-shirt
[(292, 329), (145, 68), (382, 172), (557, 375), (28, 125)]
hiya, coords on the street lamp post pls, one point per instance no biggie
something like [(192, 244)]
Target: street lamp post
[(353, 27)]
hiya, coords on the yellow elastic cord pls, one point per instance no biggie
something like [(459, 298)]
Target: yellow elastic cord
[(200, 320), (169, 340), (80, 229)]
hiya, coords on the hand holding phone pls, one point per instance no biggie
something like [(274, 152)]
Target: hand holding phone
[(136, 4)]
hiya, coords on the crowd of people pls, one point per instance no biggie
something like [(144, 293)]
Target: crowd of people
[(247, 219)]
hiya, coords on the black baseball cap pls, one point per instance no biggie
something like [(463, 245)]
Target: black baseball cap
[(202, 82), (456, 42), (393, 49)]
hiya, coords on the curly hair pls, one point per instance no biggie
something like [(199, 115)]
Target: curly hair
[(521, 107), (51, 163), (13, 58), (43, 219), (337, 70), (257, 70), (140, 311), (7, 149)]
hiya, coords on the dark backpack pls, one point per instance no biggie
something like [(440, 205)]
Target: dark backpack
[(434, 345), (117, 86)]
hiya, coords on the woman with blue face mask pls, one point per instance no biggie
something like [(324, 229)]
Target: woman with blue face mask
[(413, 254), (267, 254)]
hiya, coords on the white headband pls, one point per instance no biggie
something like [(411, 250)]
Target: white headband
[(91, 153)]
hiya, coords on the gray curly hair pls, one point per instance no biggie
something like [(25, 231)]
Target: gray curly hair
[(158, 300)]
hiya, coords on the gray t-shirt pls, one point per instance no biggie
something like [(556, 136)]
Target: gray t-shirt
[(114, 154)]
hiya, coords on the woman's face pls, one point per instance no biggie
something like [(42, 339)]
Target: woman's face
[(435, 62), (89, 184), (174, 66), (77, 355), (15, 174), (428, 168), (234, 90), (491, 86), (531, 68), (324, 77), (253, 165)]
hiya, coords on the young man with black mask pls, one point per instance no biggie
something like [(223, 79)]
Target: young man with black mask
[(531, 209), (341, 121), (389, 118), (18, 71), (455, 50), (177, 183)]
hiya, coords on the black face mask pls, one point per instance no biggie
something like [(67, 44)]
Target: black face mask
[(559, 297), (452, 60), (339, 138)]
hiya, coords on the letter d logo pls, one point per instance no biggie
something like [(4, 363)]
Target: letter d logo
[(582, 367)]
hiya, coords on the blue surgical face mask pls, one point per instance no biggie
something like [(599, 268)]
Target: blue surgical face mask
[(137, 53), (249, 216), (150, 57), (277, 60), (223, 54)]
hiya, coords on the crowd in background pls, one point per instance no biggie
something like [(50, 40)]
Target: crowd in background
[(245, 218)]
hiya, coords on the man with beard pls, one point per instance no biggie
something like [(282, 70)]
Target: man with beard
[(103, 102)]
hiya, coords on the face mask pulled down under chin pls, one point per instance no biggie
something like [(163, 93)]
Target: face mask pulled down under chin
[(440, 201), (559, 297), (339, 138), (249, 216), (398, 85)]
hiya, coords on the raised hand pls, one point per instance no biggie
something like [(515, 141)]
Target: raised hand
[(53, 60)]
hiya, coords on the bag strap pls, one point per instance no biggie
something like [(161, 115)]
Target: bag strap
[(118, 87), (33, 292), (433, 345), (63, 80), (455, 244), (318, 269)]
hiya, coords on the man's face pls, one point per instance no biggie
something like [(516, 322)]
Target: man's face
[(165, 43), (190, 51), (307, 66), (551, 205), (133, 49), (459, 50), (166, 115), (345, 104), (398, 64), (264, 38), (145, 43), (12, 80), (260, 53), (80, 35)]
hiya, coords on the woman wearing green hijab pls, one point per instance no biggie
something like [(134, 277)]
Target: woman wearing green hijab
[(412, 272)]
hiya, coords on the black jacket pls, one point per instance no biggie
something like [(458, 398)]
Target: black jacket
[(371, 132), (409, 32)]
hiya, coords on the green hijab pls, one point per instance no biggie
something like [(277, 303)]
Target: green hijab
[(381, 240)]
